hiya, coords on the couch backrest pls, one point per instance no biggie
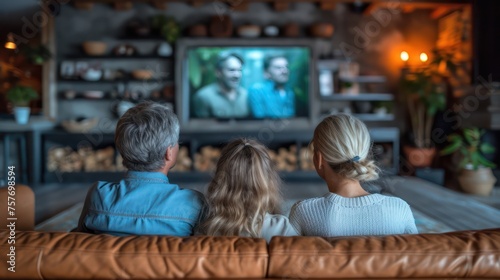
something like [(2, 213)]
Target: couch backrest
[(51, 255), (466, 254), (24, 207)]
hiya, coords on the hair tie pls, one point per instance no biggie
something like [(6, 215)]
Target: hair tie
[(355, 159), (247, 144)]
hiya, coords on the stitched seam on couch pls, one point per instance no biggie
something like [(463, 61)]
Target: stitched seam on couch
[(496, 252), (140, 216), (49, 250)]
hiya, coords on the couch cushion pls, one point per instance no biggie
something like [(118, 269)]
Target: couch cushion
[(42, 255), (472, 254)]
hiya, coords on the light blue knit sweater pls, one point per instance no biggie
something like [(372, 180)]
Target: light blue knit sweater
[(334, 215)]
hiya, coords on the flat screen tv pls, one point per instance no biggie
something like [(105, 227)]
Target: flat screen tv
[(241, 83)]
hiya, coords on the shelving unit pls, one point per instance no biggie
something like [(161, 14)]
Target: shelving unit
[(359, 97)]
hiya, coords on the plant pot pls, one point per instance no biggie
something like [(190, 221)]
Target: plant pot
[(22, 114), (419, 157), (478, 182)]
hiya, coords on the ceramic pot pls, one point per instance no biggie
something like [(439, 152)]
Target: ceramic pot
[(419, 157), (478, 182), (22, 114)]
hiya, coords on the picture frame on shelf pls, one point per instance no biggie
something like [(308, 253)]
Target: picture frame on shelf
[(67, 69), (328, 76)]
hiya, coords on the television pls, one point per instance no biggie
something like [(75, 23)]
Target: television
[(242, 83)]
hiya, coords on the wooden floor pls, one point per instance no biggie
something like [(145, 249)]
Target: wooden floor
[(458, 211)]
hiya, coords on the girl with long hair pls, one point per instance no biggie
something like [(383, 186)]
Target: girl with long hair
[(244, 196)]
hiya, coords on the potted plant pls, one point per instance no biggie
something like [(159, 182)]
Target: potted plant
[(167, 27), (425, 92), (20, 96), (37, 54), (475, 170)]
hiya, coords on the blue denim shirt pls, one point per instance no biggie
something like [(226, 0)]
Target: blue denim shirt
[(143, 203), (267, 102)]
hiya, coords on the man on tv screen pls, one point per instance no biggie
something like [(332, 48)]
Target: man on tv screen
[(225, 98), (273, 99)]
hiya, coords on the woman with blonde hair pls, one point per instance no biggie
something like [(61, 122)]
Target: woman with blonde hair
[(244, 196), (341, 156)]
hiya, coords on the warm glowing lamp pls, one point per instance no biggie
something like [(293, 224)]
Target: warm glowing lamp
[(10, 42), (404, 56), (423, 57)]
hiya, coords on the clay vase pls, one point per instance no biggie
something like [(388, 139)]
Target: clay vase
[(419, 157), (478, 182)]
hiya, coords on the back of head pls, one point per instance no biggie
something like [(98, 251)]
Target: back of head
[(344, 142), (143, 135), (245, 187)]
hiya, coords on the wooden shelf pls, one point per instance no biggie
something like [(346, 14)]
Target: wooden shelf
[(365, 79), (113, 57), (60, 80), (359, 97), (371, 117), (375, 117)]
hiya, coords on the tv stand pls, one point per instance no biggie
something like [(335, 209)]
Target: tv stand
[(386, 143)]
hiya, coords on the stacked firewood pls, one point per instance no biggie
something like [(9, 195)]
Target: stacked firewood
[(285, 159), (65, 159), (306, 161), (184, 162), (206, 159)]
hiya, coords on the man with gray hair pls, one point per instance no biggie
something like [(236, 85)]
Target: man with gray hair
[(144, 202)]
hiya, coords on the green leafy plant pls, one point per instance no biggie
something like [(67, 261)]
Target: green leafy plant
[(166, 27), (425, 91), (471, 148), (37, 54), (21, 95)]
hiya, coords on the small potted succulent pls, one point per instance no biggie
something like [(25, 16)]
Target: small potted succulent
[(20, 96), (475, 175)]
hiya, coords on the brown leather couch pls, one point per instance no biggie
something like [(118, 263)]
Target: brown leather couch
[(59, 255)]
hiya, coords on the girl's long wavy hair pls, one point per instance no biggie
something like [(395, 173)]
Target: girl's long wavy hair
[(245, 187)]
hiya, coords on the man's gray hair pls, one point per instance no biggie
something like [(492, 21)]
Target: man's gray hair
[(143, 135)]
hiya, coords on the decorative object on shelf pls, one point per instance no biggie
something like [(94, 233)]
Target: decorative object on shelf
[(124, 50), (142, 74), (92, 74), (67, 69), (475, 170), (122, 107), (221, 26), (382, 108), (94, 48), (363, 107), (271, 31), (20, 96), (79, 125), (93, 94), (70, 94), (198, 30), (348, 70), (322, 30), (167, 27), (249, 31), (347, 87), (291, 30), (138, 27), (37, 54), (164, 49), (326, 84)]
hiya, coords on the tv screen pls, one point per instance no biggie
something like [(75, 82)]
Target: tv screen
[(246, 82)]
